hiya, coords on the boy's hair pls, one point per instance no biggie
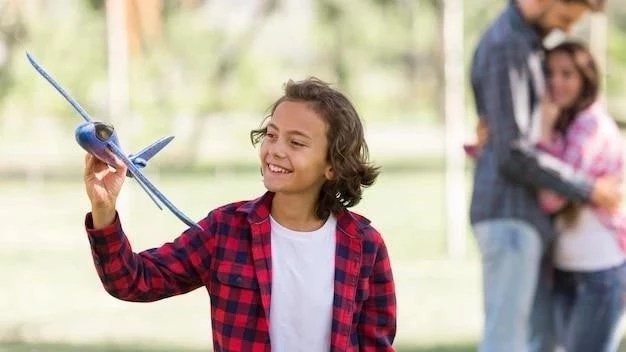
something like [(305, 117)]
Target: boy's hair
[(347, 149)]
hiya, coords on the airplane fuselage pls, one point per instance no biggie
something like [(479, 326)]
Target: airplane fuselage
[(93, 137), (100, 140)]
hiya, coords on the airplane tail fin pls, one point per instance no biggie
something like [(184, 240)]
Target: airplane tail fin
[(141, 159)]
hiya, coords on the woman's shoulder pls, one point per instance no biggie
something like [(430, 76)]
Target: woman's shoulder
[(596, 112), (593, 118), (594, 123)]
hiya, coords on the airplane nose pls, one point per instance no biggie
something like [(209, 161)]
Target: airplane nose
[(83, 133)]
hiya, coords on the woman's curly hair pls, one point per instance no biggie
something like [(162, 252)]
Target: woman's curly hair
[(347, 152)]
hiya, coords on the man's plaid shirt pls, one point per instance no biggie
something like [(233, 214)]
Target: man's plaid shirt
[(506, 180), (232, 259)]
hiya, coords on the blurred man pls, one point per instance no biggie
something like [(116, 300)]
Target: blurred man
[(512, 232)]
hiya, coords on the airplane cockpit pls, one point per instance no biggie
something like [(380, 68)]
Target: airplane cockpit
[(104, 131)]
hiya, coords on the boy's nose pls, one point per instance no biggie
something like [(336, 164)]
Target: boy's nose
[(277, 150), (278, 153)]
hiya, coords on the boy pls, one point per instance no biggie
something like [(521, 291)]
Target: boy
[(292, 270)]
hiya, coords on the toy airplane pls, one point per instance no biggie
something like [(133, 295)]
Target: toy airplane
[(100, 140)]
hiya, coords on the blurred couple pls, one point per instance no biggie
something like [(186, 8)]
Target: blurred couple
[(547, 187)]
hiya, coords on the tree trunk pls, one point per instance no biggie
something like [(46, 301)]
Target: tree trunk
[(456, 209)]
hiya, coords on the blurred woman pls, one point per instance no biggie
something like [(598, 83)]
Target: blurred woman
[(589, 251)]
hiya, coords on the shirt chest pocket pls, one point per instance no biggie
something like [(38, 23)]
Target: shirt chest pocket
[(237, 275)]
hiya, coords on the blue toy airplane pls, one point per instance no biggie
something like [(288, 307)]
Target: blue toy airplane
[(100, 140)]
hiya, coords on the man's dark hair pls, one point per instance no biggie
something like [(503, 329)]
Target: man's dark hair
[(593, 5)]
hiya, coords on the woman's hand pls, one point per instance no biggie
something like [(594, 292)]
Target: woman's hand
[(550, 113)]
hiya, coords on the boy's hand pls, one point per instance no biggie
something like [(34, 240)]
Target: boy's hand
[(103, 185)]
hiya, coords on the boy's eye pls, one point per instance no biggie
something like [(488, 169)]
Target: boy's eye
[(270, 135), (297, 144)]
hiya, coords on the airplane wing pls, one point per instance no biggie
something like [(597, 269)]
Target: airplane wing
[(147, 190), (143, 186), (58, 87), (142, 157), (149, 187)]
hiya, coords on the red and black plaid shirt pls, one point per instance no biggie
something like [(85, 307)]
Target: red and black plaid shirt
[(232, 259)]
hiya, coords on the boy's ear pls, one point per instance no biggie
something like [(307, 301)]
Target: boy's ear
[(329, 173)]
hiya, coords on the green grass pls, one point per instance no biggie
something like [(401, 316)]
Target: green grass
[(52, 300), (56, 347)]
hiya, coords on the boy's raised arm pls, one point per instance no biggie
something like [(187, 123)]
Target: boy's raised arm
[(151, 275)]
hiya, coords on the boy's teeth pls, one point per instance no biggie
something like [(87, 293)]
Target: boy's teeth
[(274, 168)]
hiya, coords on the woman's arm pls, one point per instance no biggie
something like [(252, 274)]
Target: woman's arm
[(573, 150)]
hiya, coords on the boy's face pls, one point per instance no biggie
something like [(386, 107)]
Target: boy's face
[(558, 15), (293, 152)]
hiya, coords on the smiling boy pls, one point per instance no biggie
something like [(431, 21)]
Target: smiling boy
[(292, 270)]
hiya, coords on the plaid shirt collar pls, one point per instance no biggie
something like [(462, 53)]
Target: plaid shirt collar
[(259, 209)]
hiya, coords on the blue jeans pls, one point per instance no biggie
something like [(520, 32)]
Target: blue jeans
[(588, 307), (516, 293)]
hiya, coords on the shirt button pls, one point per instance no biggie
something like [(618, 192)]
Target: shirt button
[(239, 279)]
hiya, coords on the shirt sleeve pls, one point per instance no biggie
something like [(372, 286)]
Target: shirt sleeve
[(580, 137), (523, 164), (377, 321), (172, 269), (555, 147)]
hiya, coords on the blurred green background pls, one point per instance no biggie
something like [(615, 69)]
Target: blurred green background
[(206, 72)]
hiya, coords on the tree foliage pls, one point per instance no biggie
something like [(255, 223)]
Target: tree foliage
[(216, 56)]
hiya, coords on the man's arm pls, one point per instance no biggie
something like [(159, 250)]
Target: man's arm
[(525, 164), (377, 321), (575, 151), (151, 275)]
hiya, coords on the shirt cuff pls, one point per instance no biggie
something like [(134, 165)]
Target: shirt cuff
[(547, 147), (108, 236), (585, 187)]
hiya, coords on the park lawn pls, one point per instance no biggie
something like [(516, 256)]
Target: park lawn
[(51, 298)]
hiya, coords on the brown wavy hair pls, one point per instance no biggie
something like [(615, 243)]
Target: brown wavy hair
[(587, 69), (347, 152)]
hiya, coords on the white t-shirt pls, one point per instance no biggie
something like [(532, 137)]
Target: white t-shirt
[(303, 275), (587, 245)]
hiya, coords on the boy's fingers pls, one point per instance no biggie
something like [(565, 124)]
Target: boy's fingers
[(119, 164), (89, 161)]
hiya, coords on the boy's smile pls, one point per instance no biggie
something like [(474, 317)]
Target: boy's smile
[(275, 169)]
